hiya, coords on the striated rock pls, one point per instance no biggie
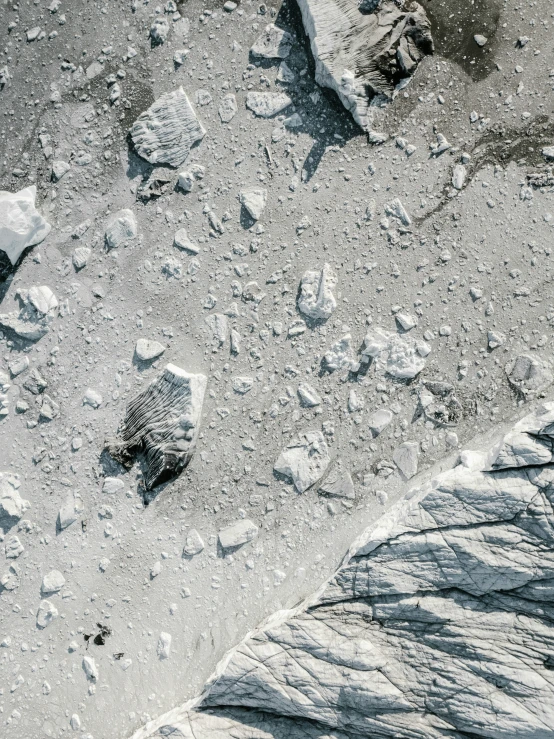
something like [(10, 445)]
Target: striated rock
[(122, 227), (438, 625), (254, 199), (37, 309), (166, 132), (402, 357), (274, 43), (21, 225), (267, 104), (304, 460), (364, 55), (162, 424), (316, 299)]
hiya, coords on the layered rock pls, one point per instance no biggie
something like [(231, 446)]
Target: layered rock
[(162, 424), (439, 623), (360, 54)]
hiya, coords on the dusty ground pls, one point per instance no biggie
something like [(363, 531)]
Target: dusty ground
[(490, 236)]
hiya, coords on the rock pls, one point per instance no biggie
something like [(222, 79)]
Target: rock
[(242, 385), (397, 210), (459, 175), (182, 241), (439, 404), (338, 483), (394, 39), (52, 582), (355, 403), (38, 306), (59, 169), (154, 185), (185, 180), (237, 534), (441, 146), (14, 548), (166, 132), (46, 613), (121, 228), (92, 398), (548, 152), (81, 255), (379, 420), (163, 648), (90, 668), (341, 355), (159, 31), (316, 299), (219, 327), (528, 374), (227, 108), (113, 486), (405, 458), (406, 321), (267, 104), (254, 199), (495, 339), (147, 350), (308, 396), (402, 357), (70, 511), (19, 365), (274, 43), (162, 424), (21, 225), (304, 460), (480, 40), (193, 543)]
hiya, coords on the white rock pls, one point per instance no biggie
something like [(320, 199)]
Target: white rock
[(92, 398), (285, 73), (193, 543), (75, 722), (81, 255), (529, 374), (185, 180), (237, 534), (304, 460), (405, 458), (46, 613), (90, 668), (227, 108), (121, 228), (274, 43), (163, 648), (341, 355), (399, 356), (19, 365), (52, 582), (316, 299), (338, 483), (217, 322), (71, 510), (267, 104), (495, 339), (14, 548), (459, 175), (242, 384), (254, 199), (12, 505), (21, 225), (480, 40), (548, 152), (113, 486), (308, 396), (379, 420), (147, 349), (159, 30), (355, 403), (396, 209), (166, 132), (59, 169), (181, 241), (406, 321), (441, 146)]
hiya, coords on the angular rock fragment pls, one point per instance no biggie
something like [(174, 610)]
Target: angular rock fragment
[(52, 582), (237, 534), (304, 460), (459, 175), (451, 586), (70, 511), (254, 199), (46, 613), (338, 483), (92, 398), (163, 648), (379, 420), (159, 31), (218, 325), (405, 458), (182, 241), (402, 357), (38, 307), (162, 424), (121, 228), (193, 543), (90, 669), (166, 132), (397, 210), (364, 55), (274, 43), (147, 350), (80, 258), (309, 398), (227, 108), (242, 385), (341, 355), (267, 104), (21, 225), (528, 374), (316, 299)]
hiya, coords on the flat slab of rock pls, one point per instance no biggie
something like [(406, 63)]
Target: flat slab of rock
[(267, 104), (162, 425), (166, 132), (21, 225), (237, 534), (304, 460), (274, 43), (254, 199), (147, 349)]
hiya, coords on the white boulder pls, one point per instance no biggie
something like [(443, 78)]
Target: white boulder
[(316, 299), (21, 225), (304, 460)]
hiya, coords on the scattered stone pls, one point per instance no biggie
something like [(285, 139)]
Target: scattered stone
[(113, 486), (406, 321), (19, 365), (121, 228), (267, 104), (379, 420), (166, 132), (46, 613), (254, 199), (181, 241), (308, 396), (147, 350), (495, 339), (242, 385), (402, 357), (164, 645), (193, 543), (338, 483), (21, 225), (52, 582), (162, 423), (81, 255), (274, 43), (441, 146), (528, 374), (397, 210), (217, 322), (480, 40), (92, 398), (405, 458), (185, 181), (228, 108), (304, 460), (59, 169), (159, 31), (37, 309), (90, 668), (70, 511), (237, 534), (341, 356), (316, 299)]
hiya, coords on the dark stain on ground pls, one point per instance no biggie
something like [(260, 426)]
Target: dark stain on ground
[(100, 638), (454, 24)]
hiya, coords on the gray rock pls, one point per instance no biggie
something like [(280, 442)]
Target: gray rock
[(146, 349), (237, 534), (274, 43), (193, 543), (304, 460), (316, 299), (254, 199), (121, 228), (267, 104)]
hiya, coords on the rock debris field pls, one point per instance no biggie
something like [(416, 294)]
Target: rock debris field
[(276, 369)]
